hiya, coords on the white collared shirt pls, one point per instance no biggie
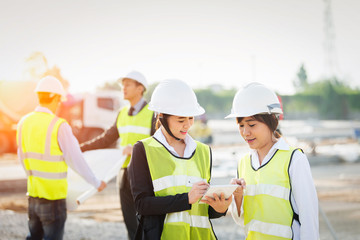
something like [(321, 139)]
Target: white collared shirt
[(137, 106), (189, 142), (303, 195)]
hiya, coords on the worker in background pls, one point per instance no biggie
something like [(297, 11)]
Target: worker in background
[(280, 200), (200, 131), (46, 147), (170, 172), (133, 123)]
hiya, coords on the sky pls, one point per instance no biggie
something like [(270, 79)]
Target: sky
[(228, 42)]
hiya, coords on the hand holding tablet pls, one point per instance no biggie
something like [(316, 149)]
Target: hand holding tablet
[(218, 189)]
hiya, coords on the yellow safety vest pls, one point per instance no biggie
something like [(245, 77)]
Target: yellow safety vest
[(268, 214), (42, 157), (133, 128), (173, 175)]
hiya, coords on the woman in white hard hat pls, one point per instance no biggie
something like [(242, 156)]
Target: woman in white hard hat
[(279, 200), (170, 172)]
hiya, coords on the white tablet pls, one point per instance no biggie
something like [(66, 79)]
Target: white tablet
[(218, 189)]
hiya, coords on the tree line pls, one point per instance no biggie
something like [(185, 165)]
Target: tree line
[(328, 98)]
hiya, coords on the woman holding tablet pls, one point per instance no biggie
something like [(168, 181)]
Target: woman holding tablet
[(280, 200), (170, 172)]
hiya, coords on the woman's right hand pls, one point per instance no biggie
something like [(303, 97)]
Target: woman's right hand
[(238, 193), (197, 191), (240, 189)]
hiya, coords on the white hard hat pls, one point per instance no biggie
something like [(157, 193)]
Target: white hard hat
[(175, 97), (254, 98), (137, 76), (50, 84)]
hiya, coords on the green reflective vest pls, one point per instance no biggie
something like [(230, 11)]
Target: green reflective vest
[(133, 128), (174, 175), (41, 156), (268, 214)]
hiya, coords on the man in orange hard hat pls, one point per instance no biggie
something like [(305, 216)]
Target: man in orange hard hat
[(46, 147)]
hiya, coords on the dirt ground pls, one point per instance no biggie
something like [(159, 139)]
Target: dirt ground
[(338, 187)]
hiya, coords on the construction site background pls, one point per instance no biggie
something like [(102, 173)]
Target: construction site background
[(331, 146)]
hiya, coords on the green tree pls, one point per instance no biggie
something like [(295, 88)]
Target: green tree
[(37, 67), (329, 98), (216, 103), (301, 83)]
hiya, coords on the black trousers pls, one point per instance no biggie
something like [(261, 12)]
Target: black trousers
[(127, 204)]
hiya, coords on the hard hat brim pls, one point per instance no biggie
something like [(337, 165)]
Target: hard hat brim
[(181, 113), (235, 115)]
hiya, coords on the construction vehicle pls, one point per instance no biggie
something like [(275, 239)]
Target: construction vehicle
[(88, 114)]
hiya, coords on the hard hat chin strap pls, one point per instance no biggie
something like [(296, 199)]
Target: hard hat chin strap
[(164, 123)]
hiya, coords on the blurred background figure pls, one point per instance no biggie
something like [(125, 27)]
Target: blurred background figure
[(200, 130), (46, 147), (133, 123)]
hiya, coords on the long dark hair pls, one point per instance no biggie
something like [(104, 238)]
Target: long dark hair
[(271, 120)]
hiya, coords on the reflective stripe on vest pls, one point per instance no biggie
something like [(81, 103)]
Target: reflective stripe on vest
[(41, 156), (174, 181), (133, 128), (268, 213), (175, 176), (268, 189), (47, 175), (192, 220)]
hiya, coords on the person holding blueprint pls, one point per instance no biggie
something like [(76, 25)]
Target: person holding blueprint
[(46, 148), (133, 123), (280, 200), (170, 172)]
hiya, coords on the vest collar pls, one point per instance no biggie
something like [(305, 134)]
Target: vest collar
[(189, 142), (281, 144)]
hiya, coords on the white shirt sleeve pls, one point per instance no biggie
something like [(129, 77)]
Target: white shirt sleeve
[(74, 158), (234, 213), (233, 209), (305, 196)]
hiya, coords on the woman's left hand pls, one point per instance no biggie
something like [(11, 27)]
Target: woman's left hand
[(218, 204)]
